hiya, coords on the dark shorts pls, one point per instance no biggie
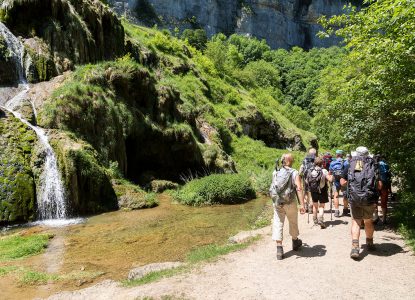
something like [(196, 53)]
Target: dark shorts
[(322, 197), (362, 211), (337, 187)]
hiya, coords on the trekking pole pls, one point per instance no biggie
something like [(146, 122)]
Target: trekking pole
[(331, 201), (308, 204)]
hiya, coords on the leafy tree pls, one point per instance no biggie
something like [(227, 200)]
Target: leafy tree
[(197, 38), (376, 85)]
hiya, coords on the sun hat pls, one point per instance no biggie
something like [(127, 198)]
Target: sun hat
[(362, 151)]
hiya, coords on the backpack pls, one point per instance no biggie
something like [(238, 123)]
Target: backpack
[(314, 179), (282, 188), (337, 169), (361, 181), (384, 172), (327, 159), (308, 164)]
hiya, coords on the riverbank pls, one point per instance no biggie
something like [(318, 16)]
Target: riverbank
[(108, 246)]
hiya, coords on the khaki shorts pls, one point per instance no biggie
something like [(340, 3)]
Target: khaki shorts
[(362, 211)]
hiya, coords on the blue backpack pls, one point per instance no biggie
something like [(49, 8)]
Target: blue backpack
[(384, 172), (337, 169)]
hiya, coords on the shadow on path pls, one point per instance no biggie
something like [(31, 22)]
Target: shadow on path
[(336, 222), (382, 249), (308, 251)]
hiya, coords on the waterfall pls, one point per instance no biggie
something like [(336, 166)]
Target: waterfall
[(50, 196)]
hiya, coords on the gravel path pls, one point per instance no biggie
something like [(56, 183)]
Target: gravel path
[(321, 270)]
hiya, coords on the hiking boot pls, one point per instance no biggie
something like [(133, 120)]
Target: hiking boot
[(321, 223), (280, 253), (297, 244), (346, 212), (355, 253), (369, 244), (337, 213)]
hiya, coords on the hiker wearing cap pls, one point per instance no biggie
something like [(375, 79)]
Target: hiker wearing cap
[(360, 176), (307, 164), (284, 190), (336, 169), (317, 180)]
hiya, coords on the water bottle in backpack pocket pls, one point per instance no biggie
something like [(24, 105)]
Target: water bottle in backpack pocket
[(282, 189)]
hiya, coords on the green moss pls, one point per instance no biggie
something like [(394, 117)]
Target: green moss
[(17, 187), (131, 196), (14, 247)]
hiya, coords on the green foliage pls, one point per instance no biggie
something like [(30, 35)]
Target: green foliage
[(260, 74), (371, 95), (195, 37), (14, 247), (145, 12), (217, 188), (251, 48)]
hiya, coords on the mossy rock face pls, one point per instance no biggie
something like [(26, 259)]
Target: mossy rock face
[(87, 184), (8, 72), (42, 67), (76, 31), (17, 186), (120, 111)]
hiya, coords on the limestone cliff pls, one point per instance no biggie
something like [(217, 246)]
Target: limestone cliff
[(282, 23)]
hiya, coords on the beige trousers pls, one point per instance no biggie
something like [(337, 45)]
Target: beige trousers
[(280, 211)]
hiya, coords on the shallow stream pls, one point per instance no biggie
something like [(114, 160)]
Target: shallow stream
[(113, 243)]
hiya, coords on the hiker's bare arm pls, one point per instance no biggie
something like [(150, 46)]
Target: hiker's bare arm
[(329, 177), (343, 182), (299, 193)]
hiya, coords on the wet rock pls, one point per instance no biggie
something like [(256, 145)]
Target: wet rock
[(17, 186), (140, 272), (75, 32)]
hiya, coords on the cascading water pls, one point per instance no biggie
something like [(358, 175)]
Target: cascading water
[(50, 197)]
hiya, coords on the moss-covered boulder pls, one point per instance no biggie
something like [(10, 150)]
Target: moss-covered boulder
[(87, 183), (17, 186), (76, 31)]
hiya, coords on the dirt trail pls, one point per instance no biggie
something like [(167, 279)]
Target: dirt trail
[(321, 270)]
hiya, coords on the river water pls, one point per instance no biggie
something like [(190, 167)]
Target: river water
[(113, 243)]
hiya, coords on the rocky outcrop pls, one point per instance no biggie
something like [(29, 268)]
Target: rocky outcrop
[(71, 32), (17, 185), (252, 123), (283, 23)]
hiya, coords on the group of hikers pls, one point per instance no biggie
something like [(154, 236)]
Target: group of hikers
[(360, 177)]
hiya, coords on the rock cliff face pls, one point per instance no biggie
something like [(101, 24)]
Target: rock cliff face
[(68, 32), (282, 23)]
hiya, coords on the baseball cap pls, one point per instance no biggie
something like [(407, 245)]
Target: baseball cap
[(339, 151)]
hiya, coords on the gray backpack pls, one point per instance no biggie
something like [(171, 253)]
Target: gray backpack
[(282, 189)]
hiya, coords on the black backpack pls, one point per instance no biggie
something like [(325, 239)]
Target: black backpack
[(308, 164), (361, 181), (314, 179)]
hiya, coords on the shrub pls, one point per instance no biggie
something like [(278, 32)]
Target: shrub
[(217, 188)]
